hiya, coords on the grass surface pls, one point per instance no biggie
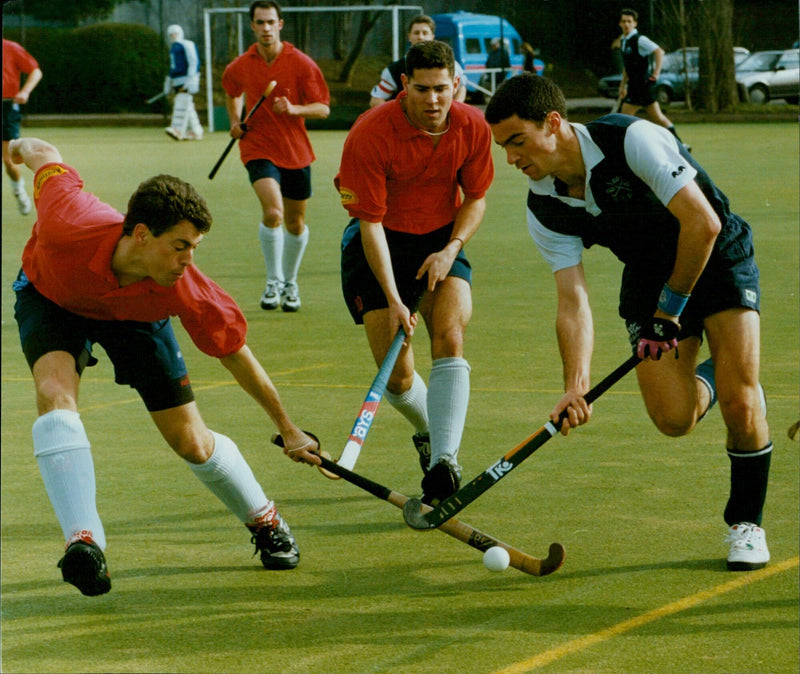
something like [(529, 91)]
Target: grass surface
[(644, 587)]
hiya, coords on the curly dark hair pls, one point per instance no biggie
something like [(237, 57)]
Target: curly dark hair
[(430, 55), (162, 201), (528, 96), (265, 4)]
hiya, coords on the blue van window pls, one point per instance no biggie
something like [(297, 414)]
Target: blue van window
[(473, 45)]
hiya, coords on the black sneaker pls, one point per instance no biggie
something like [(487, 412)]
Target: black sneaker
[(422, 443), (441, 481), (275, 543), (84, 566)]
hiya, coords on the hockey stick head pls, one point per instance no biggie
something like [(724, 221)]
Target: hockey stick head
[(413, 515), (277, 440), (554, 560)]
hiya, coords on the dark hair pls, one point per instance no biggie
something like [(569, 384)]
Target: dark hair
[(430, 55), (630, 12), (162, 202), (422, 18), (264, 4), (527, 96)]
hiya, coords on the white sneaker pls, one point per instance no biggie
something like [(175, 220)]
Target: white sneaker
[(290, 297), (748, 547), (173, 133), (193, 135), (23, 202), (272, 296)]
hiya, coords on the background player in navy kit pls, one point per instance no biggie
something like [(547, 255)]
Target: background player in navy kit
[(636, 86), (689, 269)]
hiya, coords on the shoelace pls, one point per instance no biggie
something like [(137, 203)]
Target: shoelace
[(743, 532)]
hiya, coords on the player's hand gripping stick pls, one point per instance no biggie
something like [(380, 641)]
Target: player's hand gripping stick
[(232, 142), (413, 512)]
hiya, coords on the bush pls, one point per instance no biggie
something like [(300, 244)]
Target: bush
[(104, 68)]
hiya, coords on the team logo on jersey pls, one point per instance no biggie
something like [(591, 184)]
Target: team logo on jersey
[(44, 175), (619, 189), (348, 197)]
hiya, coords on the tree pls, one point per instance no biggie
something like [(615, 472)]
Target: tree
[(71, 12), (717, 69)]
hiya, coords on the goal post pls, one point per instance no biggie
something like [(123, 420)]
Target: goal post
[(242, 15)]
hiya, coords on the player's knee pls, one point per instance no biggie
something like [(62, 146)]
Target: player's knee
[(741, 414), (448, 342), (272, 216), (192, 446), (673, 423)]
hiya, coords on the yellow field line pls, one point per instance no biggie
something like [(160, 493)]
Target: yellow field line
[(691, 601)]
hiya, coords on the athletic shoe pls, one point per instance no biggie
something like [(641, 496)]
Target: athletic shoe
[(748, 547), (422, 443), (23, 202), (275, 542), (192, 135), (290, 297), (441, 481), (84, 565), (272, 296), (173, 133)]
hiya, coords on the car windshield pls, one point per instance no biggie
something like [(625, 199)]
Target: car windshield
[(760, 61)]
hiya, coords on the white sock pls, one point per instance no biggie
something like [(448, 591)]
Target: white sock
[(412, 404), (448, 399), (230, 479), (17, 186), (64, 455), (271, 239), (293, 249)]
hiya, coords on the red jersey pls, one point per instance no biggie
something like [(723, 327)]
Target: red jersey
[(391, 172), (68, 260), (15, 62), (282, 139)]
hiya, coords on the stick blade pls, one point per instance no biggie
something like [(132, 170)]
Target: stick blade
[(554, 560), (327, 473), (413, 515)]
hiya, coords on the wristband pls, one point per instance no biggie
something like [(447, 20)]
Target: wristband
[(461, 241), (671, 302)]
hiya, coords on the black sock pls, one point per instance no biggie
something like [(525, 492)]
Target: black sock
[(749, 473)]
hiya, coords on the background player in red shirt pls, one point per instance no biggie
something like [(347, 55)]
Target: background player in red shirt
[(275, 147), (404, 167), (16, 62), (90, 275)]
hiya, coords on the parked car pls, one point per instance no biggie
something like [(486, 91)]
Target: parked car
[(671, 84), (766, 75), (470, 35)]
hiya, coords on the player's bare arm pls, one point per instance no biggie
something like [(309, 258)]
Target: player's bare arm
[(468, 219), (575, 332), (376, 250), (253, 379), (699, 228), (282, 106), (234, 106), (33, 152)]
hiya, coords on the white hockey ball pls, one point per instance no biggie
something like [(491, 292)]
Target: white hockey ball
[(496, 559)]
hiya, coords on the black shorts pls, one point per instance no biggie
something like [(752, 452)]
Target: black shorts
[(12, 116), (295, 184), (146, 356), (730, 280), (640, 94), (361, 289)]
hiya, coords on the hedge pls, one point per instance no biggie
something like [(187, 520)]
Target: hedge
[(103, 68)]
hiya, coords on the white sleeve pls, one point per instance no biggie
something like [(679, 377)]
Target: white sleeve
[(646, 46), (652, 153), (192, 58), (560, 251), (385, 87)]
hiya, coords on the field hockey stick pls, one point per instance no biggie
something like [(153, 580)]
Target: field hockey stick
[(232, 142), (413, 512), (453, 527), (155, 98), (369, 407)]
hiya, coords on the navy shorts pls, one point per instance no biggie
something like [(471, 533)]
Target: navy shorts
[(361, 289), (295, 183), (730, 280), (146, 356), (12, 116), (640, 94)]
